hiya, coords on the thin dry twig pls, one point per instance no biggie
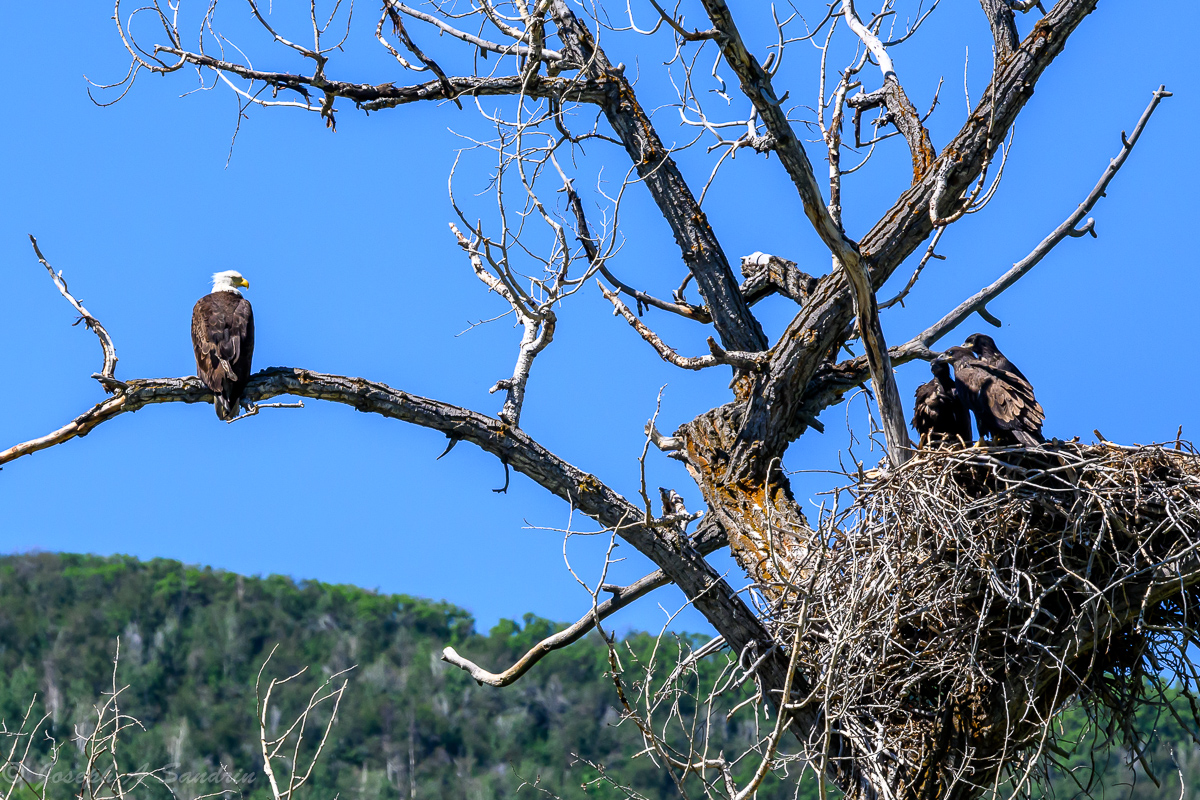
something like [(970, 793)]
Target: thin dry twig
[(106, 374)]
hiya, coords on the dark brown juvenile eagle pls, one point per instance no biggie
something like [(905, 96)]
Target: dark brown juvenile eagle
[(984, 348), (1002, 401), (939, 414), (223, 338)]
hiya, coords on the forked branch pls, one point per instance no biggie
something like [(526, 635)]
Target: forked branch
[(293, 773), (855, 371), (717, 355), (900, 109), (1072, 227), (538, 322)]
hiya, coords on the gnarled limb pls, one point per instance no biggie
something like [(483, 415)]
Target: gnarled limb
[(766, 275), (822, 323), (891, 95), (825, 388), (513, 446), (735, 323), (756, 84), (516, 48), (685, 567)]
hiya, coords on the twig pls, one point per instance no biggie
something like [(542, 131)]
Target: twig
[(1068, 228), (105, 376), (929, 253), (254, 408), (717, 355)]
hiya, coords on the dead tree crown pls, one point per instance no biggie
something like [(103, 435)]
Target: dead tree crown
[(917, 638)]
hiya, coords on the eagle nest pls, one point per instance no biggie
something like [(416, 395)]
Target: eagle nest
[(961, 601)]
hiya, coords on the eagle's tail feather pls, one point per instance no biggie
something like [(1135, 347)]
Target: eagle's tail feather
[(226, 410), (1026, 438)]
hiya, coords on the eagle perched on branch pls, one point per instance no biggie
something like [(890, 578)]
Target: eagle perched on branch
[(223, 340), (998, 394)]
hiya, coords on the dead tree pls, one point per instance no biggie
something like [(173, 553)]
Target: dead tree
[(856, 660), (32, 761)]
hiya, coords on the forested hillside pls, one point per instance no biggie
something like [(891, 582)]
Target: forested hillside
[(409, 725)]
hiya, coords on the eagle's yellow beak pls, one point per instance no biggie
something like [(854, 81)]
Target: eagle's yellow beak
[(245, 283)]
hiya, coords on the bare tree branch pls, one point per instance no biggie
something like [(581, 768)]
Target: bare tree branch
[(538, 323), (514, 447), (105, 375), (855, 371), (708, 538), (767, 275), (735, 323), (716, 358), (292, 768), (567, 636), (901, 112), (386, 95), (584, 234), (887, 395), (756, 84), (929, 254), (823, 322), (482, 44), (1070, 227)]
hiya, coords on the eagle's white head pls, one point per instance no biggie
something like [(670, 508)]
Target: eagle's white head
[(229, 281)]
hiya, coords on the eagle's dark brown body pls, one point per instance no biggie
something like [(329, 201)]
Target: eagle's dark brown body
[(984, 348), (939, 414), (1001, 399), (223, 339)]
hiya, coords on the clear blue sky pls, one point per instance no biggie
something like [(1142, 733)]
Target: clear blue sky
[(344, 239)]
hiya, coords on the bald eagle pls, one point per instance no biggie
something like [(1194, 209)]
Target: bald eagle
[(939, 414), (223, 338), (1002, 401)]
